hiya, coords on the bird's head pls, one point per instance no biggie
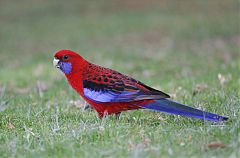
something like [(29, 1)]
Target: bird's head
[(68, 61)]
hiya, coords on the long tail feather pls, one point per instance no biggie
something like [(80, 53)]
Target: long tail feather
[(171, 107)]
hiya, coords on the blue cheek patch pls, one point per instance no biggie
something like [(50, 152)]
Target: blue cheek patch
[(66, 67)]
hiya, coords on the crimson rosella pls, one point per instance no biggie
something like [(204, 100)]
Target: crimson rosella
[(110, 92)]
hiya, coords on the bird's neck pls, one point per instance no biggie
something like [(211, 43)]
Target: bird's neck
[(75, 79)]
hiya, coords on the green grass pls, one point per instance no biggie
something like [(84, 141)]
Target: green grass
[(170, 45)]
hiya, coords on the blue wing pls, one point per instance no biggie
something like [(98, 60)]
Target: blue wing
[(108, 96), (118, 92)]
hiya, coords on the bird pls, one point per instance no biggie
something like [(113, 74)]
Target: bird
[(111, 92)]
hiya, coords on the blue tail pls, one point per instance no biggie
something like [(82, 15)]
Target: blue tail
[(168, 106)]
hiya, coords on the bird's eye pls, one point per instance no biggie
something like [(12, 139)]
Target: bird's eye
[(65, 57)]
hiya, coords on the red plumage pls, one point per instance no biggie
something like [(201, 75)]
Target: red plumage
[(110, 92), (82, 70)]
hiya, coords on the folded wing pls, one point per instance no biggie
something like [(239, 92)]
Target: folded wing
[(118, 88)]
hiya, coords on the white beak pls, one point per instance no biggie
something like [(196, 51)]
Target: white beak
[(55, 63)]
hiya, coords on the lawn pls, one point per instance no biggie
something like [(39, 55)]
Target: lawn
[(188, 49)]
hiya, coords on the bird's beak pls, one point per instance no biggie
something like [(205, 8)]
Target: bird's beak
[(55, 63)]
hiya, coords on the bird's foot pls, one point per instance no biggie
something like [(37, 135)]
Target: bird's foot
[(117, 115), (88, 106)]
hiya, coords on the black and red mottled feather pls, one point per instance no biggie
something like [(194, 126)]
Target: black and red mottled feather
[(110, 92), (115, 87)]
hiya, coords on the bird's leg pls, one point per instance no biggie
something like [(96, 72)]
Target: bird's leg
[(105, 114), (88, 106), (117, 115)]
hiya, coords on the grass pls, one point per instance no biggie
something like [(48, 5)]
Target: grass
[(170, 45)]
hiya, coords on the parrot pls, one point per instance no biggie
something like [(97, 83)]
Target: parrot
[(111, 92)]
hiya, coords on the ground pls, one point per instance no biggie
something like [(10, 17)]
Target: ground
[(188, 49)]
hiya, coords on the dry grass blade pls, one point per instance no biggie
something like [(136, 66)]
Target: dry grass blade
[(216, 144), (199, 88), (222, 79), (10, 126), (42, 87)]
